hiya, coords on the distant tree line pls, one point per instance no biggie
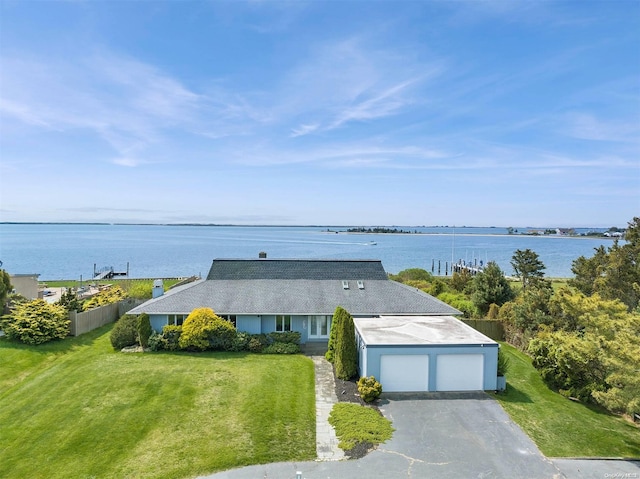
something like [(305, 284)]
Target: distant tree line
[(379, 230)]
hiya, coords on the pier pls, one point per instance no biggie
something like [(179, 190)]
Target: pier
[(108, 272), (471, 267)]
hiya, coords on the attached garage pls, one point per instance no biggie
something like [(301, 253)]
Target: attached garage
[(426, 353)]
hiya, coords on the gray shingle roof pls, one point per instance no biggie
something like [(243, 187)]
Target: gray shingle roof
[(297, 296), (318, 269)]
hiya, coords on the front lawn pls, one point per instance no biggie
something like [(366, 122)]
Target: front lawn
[(559, 426), (76, 408)]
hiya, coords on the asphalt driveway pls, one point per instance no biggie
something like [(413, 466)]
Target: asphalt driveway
[(443, 435)]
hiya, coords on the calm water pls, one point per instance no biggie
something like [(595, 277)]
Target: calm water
[(69, 251)]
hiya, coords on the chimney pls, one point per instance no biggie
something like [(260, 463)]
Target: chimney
[(158, 288), (262, 255)]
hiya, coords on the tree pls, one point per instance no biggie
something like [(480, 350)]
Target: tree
[(5, 288), (69, 300), (346, 352), (36, 322), (490, 286), (613, 273), (144, 329), (338, 315), (527, 266)]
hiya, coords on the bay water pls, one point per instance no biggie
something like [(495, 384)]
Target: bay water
[(69, 251)]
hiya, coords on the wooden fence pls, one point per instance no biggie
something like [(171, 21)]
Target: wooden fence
[(94, 318), (489, 327)]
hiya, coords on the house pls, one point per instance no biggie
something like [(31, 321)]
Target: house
[(266, 295), (408, 339), (26, 285)]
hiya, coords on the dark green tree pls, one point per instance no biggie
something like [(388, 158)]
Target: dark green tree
[(144, 329), (69, 300), (338, 315), (490, 286), (527, 266), (5, 288), (346, 352)]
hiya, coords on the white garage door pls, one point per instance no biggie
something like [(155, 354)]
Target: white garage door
[(404, 373), (460, 372)]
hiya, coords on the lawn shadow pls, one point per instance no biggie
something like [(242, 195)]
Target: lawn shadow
[(513, 394)]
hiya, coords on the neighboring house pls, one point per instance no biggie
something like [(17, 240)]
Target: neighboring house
[(273, 295), (25, 285)]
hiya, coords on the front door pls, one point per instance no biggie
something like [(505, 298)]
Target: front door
[(319, 326)]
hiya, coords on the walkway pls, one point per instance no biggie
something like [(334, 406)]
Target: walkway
[(326, 440)]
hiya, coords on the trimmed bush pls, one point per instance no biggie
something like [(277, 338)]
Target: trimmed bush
[(369, 388), (171, 337), (196, 329), (255, 345), (156, 342), (291, 337), (125, 332), (222, 335), (241, 341), (203, 330), (36, 322), (144, 329), (282, 348)]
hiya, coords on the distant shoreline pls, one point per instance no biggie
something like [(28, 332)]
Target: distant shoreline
[(258, 225)]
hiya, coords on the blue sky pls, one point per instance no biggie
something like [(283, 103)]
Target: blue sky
[(339, 113)]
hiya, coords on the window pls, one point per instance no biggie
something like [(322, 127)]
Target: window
[(283, 323), (176, 319), (229, 317)]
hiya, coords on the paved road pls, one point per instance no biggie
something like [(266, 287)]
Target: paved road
[(447, 435)]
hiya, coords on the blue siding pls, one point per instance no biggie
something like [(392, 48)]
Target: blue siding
[(370, 359), (248, 324), (158, 321)]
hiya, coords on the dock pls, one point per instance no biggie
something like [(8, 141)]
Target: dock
[(108, 272)]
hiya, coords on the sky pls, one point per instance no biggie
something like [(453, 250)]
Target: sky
[(483, 113)]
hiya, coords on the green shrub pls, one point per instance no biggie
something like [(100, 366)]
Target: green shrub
[(255, 345), (196, 329), (156, 342), (144, 329), (282, 348), (369, 388), (125, 332), (36, 322), (222, 335), (292, 337), (241, 341), (460, 302), (171, 337)]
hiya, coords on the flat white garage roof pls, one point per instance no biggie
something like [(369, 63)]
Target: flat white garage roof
[(417, 330)]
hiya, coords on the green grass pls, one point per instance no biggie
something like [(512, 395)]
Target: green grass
[(559, 426), (355, 424), (76, 408)]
